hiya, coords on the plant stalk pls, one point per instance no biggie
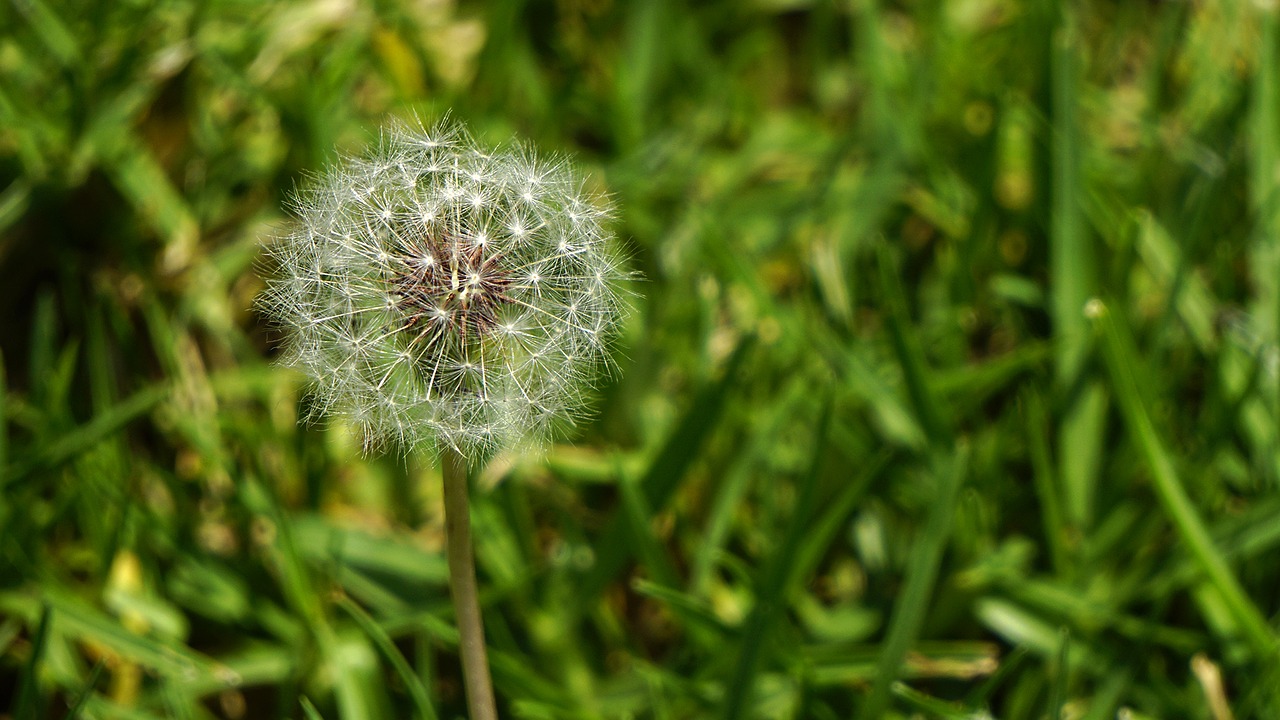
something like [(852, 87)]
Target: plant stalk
[(462, 586)]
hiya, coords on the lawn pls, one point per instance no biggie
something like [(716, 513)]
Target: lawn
[(950, 386)]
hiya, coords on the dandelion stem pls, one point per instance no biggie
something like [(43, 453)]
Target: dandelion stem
[(462, 584)]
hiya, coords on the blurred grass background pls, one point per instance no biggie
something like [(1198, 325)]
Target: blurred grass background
[(952, 390)]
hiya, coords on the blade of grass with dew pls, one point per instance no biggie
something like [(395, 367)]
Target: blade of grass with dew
[(1124, 369), (772, 586), (1072, 273), (417, 691)]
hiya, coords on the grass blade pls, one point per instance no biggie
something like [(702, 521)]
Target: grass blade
[(4, 414), (52, 31), (906, 345), (922, 573), (1072, 277), (310, 710), (665, 472), (28, 705), (1060, 675), (931, 706), (823, 530), (1264, 122), (80, 620), (1047, 490), (78, 441), (774, 582), (79, 705), (1124, 368), (417, 691)]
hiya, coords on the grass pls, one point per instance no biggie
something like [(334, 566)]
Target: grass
[(952, 389)]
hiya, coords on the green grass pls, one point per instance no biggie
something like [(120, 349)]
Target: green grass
[(951, 389)]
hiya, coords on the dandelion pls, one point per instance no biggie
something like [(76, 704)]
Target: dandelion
[(443, 295)]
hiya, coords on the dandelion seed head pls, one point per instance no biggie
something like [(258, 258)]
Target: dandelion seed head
[(443, 294)]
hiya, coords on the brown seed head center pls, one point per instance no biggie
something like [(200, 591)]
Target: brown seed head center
[(450, 291)]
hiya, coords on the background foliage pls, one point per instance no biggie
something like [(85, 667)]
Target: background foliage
[(952, 389)]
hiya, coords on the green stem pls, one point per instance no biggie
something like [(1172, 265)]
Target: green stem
[(462, 585)]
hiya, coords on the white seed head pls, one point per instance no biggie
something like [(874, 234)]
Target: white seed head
[(441, 293)]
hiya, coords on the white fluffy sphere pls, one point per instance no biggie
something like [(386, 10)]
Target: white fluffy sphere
[(438, 292)]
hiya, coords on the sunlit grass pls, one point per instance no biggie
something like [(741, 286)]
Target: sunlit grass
[(866, 453)]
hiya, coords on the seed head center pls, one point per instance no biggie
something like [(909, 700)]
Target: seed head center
[(450, 294)]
